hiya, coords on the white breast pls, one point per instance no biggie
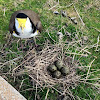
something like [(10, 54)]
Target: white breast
[(27, 32)]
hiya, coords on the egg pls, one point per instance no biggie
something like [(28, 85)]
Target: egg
[(65, 70), (58, 64), (57, 74), (52, 68)]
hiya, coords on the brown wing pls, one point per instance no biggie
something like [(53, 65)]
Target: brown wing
[(12, 22), (31, 14)]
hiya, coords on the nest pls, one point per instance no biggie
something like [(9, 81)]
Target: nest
[(36, 63)]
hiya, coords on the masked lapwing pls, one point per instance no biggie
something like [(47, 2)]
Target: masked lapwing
[(25, 24)]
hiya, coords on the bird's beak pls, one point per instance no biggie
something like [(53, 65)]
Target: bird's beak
[(22, 22)]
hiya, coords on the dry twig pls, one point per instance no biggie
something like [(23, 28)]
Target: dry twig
[(79, 16)]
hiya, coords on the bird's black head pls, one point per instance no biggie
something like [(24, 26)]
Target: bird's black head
[(21, 15)]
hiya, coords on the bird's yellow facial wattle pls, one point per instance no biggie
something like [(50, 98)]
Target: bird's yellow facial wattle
[(22, 22)]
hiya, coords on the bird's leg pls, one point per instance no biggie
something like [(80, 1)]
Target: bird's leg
[(18, 43), (22, 46), (37, 38), (32, 42), (35, 42), (26, 42)]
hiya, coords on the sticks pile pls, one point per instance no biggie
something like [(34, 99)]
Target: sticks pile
[(35, 64)]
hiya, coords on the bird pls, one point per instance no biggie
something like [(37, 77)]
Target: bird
[(25, 24)]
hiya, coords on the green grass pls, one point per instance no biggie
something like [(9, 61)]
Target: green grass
[(90, 14)]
